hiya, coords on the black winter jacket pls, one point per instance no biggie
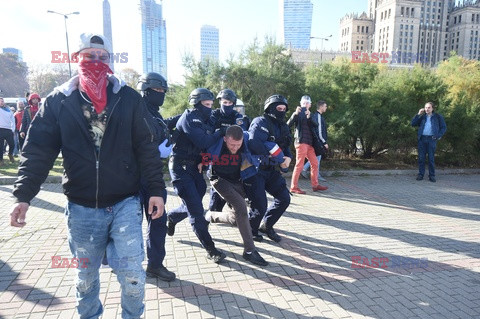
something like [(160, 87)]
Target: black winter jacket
[(129, 146)]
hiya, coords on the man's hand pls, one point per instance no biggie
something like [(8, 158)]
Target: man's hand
[(298, 110), (286, 162), (22, 134), (326, 146), (200, 167), (17, 217), (307, 113), (156, 207), (421, 111)]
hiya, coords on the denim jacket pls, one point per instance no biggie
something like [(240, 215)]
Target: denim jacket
[(438, 125)]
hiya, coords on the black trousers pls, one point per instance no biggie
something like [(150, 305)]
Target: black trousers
[(7, 135)]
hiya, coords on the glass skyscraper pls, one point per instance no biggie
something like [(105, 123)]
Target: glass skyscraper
[(154, 38), (107, 27), (209, 42), (296, 17)]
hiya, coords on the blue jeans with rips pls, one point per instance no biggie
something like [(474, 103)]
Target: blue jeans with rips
[(118, 231)]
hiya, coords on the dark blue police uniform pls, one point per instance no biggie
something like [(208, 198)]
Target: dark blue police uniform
[(262, 129), (194, 135)]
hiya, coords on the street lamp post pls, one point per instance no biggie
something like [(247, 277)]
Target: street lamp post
[(65, 16), (321, 45)]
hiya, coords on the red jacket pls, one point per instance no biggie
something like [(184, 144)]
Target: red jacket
[(18, 119)]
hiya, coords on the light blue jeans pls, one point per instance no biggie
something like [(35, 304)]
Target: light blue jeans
[(118, 231), (306, 167)]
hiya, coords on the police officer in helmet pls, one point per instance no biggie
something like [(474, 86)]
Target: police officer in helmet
[(221, 119), (194, 136), (269, 127), (153, 87), (240, 108)]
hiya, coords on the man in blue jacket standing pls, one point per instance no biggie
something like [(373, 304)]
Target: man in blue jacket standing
[(431, 128)]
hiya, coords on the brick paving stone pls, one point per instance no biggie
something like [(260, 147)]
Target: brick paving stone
[(310, 274)]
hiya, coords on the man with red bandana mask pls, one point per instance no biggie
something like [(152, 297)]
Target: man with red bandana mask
[(29, 113), (105, 134)]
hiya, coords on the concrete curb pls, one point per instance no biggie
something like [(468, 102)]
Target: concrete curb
[(389, 172), (9, 180)]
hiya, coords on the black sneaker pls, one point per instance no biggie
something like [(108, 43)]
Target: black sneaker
[(216, 255), (161, 273), (170, 226), (419, 177), (12, 159), (255, 258), (432, 179), (270, 233), (257, 237)]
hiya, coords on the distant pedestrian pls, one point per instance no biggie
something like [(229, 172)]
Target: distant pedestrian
[(320, 132), (18, 123), (29, 113), (7, 129), (431, 128), (305, 127)]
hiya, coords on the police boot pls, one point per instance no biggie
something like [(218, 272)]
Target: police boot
[(216, 255), (170, 226), (271, 233), (161, 273)]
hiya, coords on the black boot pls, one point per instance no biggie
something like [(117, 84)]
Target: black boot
[(161, 273), (170, 226), (216, 255), (270, 233), (255, 258)]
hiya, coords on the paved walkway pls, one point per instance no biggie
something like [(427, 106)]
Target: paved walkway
[(429, 232)]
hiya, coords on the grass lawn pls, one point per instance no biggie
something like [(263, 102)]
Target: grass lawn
[(11, 169)]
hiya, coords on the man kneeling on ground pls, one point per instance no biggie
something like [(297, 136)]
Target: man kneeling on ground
[(230, 163)]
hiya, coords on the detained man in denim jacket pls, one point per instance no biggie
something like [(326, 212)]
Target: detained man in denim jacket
[(431, 128)]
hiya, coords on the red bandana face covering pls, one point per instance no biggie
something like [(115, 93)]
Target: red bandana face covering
[(94, 81)]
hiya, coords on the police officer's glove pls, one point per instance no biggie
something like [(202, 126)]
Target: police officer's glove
[(222, 131), (164, 149)]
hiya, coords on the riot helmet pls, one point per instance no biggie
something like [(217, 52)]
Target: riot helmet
[(200, 94), (152, 80), (239, 107), (229, 95), (275, 100)]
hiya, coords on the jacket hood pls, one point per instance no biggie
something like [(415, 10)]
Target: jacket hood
[(71, 85), (33, 96)]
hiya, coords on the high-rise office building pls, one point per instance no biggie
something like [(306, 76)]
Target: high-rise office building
[(154, 38), (209, 47), (107, 27), (423, 31), (296, 18), (14, 51)]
